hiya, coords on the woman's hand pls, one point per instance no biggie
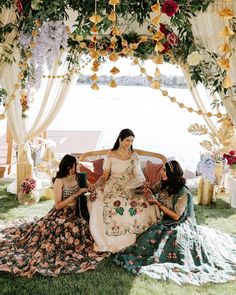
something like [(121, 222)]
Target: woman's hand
[(91, 188), (81, 191), (93, 197), (152, 201)]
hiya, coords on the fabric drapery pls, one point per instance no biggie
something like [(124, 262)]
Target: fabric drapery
[(47, 103), (7, 16), (210, 39)]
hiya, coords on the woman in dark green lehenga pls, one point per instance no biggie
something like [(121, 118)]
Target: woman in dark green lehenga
[(176, 248)]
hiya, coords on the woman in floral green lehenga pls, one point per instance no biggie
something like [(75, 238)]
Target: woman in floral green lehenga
[(58, 243), (176, 248)]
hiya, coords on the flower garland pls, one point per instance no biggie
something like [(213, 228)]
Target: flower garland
[(42, 33)]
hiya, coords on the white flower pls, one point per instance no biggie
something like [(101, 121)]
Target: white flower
[(194, 58)]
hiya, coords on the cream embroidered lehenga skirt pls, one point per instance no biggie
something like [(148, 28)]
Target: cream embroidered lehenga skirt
[(119, 213)]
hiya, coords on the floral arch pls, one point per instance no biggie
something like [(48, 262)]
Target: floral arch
[(43, 44)]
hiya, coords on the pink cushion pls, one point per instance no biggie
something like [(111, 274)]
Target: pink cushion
[(94, 175), (153, 172)]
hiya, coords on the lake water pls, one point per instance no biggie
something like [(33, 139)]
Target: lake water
[(158, 124)]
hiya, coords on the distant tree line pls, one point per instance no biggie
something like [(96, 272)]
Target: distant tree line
[(167, 81)]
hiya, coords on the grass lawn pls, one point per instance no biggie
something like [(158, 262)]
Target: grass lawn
[(108, 278)]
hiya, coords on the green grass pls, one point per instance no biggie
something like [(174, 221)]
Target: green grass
[(108, 278)]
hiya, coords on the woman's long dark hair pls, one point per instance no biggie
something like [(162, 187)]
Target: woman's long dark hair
[(123, 134), (65, 165), (175, 179)]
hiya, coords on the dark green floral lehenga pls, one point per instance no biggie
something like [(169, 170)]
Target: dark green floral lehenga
[(58, 243), (181, 251)]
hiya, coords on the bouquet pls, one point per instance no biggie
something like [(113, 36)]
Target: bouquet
[(230, 158), (28, 185)]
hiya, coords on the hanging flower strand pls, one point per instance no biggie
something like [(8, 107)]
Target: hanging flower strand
[(95, 19), (115, 32), (226, 33)]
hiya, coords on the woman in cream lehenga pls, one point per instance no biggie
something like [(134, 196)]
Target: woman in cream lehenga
[(120, 210)]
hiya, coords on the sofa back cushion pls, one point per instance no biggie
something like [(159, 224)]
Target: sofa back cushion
[(153, 172), (93, 169)]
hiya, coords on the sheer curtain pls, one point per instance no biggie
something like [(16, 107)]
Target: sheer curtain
[(47, 103), (206, 27)]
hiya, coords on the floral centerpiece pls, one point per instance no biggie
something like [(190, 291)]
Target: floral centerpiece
[(27, 194), (230, 158)]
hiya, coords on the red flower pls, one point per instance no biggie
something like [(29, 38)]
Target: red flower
[(172, 39), (117, 203), (144, 204), (19, 6), (163, 29), (133, 204), (166, 47), (169, 7), (232, 153)]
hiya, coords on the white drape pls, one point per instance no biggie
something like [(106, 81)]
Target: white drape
[(7, 16), (47, 103), (197, 93), (206, 27)]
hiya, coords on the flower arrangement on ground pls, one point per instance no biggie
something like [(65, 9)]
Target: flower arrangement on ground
[(27, 194), (230, 158)]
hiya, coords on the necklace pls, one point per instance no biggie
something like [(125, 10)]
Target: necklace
[(123, 153), (70, 177)]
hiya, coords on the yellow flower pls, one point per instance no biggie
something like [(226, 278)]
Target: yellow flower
[(159, 47), (144, 38), (133, 45), (115, 31), (157, 72), (224, 63), (94, 77), (158, 36), (93, 53), (114, 2), (226, 32), (113, 57), (225, 47), (155, 84), (156, 8), (157, 59), (112, 84), (227, 13), (95, 18), (83, 45), (94, 29), (156, 20), (227, 83), (114, 71), (94, 86), (112, 16), (78, 38)]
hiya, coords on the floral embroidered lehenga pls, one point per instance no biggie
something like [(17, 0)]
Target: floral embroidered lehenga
[(120, 211), (181, 251), (58, 243)]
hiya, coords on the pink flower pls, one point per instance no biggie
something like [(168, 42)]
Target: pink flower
[(169, 7), (19, 6), (172, 39)]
